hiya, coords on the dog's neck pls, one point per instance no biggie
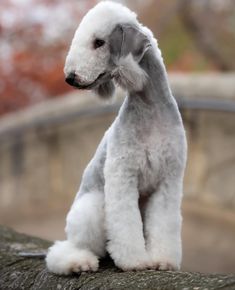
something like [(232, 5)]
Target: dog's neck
[(154, 95), (156, 90)]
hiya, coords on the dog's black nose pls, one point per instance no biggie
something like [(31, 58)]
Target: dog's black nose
[(70, 79)]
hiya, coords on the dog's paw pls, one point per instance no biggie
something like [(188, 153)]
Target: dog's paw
[(85, 262), (165, 259), (164, 266), (136, 263), (64, 258), (135, 266)]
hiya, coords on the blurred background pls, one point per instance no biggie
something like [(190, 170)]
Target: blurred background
[(48, 132)]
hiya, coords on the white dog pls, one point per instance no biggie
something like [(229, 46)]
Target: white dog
[(130, 196)]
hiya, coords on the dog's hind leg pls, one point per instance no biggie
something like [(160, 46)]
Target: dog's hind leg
[(85, 237)]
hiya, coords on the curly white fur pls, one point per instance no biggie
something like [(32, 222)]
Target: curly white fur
[(130, 196)]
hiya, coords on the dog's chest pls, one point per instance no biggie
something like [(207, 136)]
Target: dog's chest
[(153, 165)]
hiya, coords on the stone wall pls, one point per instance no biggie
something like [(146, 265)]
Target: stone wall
[(44, 150)]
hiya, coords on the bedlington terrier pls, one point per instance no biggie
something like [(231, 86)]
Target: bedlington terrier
[(130, 195)]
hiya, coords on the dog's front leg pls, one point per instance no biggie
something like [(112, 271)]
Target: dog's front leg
[(163, 225), (126, 243)]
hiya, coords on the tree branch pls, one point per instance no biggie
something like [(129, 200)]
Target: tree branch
[(19, 272)]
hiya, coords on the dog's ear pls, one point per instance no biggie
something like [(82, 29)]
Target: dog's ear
[(126, 39), (127, 47), (105, 90)]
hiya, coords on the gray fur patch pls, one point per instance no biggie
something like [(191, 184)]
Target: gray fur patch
[(127, 47), (125, 39), (105, 90)]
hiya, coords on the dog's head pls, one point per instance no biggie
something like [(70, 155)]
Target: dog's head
[(108, 45)]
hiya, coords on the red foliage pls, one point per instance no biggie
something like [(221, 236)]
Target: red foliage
[(34, 36)]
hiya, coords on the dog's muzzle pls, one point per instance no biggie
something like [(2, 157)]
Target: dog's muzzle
[(73, 80)]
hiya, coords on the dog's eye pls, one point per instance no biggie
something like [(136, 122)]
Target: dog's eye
[(98, 43)]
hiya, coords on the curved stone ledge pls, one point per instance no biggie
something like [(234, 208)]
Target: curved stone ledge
[(44, 149)]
